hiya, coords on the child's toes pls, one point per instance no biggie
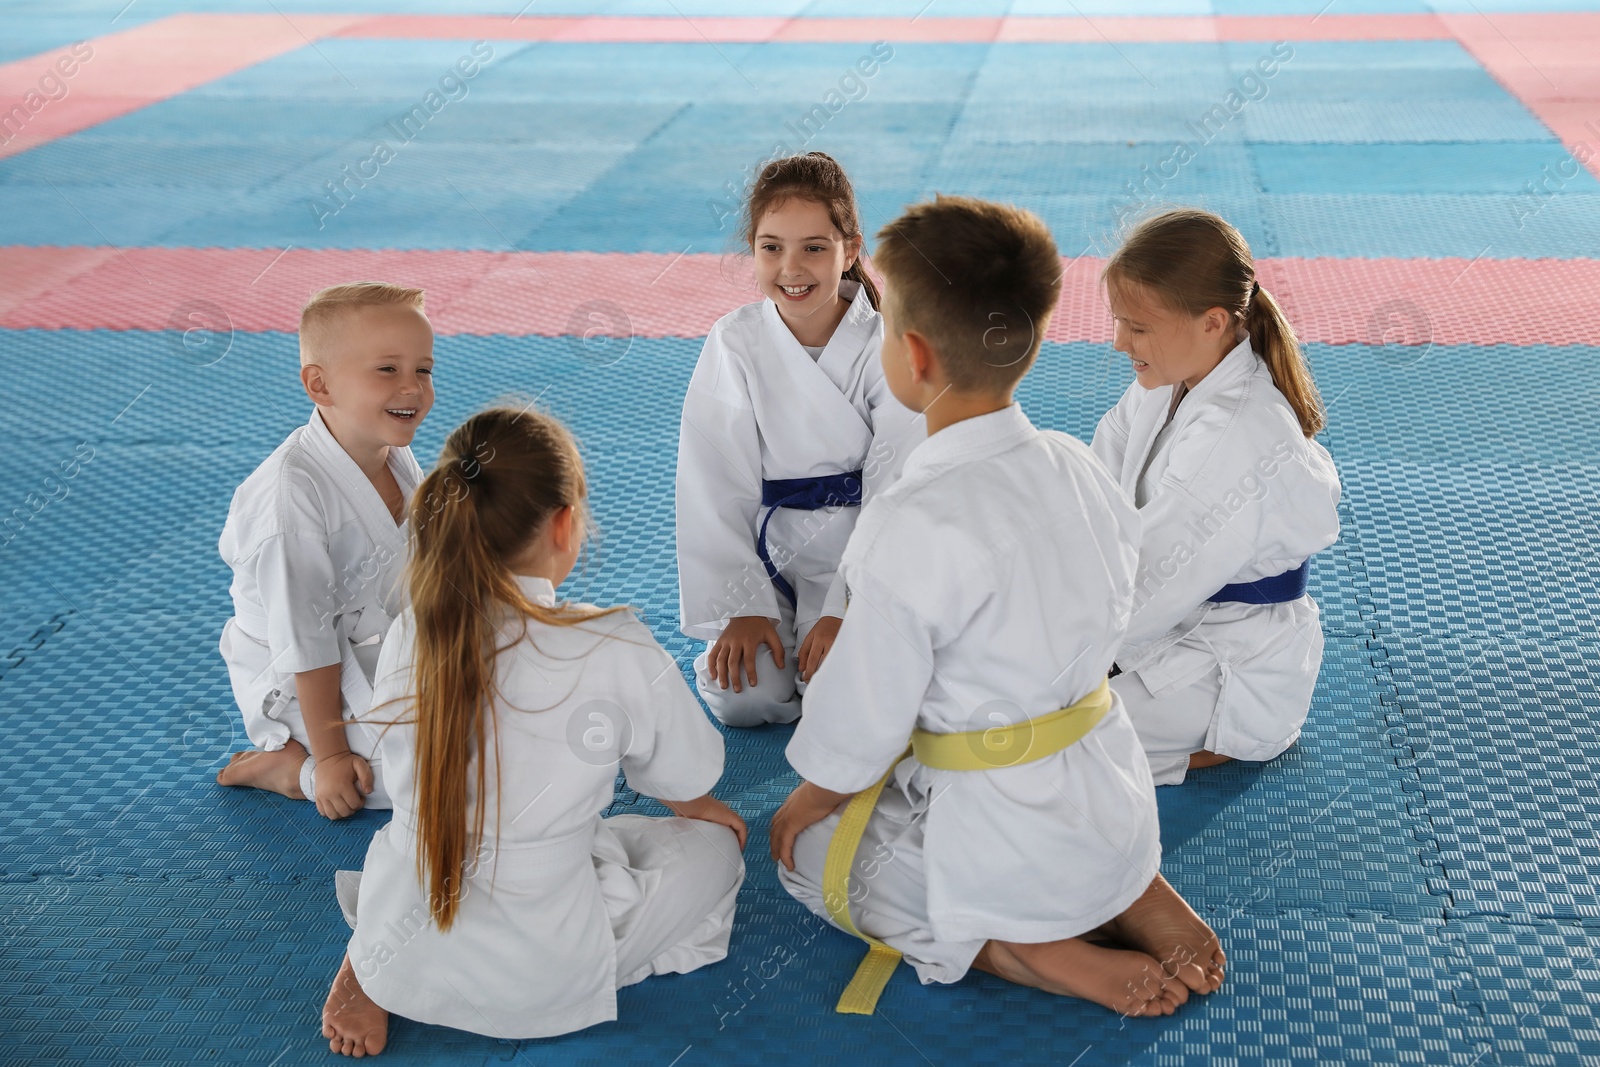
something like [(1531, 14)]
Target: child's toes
[(1174, 996), (1166, 1000)]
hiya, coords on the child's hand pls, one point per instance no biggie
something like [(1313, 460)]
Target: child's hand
[(709, 809), (807, 805), (817, 644), (737, 646), (342, 783)]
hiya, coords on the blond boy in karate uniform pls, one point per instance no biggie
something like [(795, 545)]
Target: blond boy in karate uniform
[(316, 537)]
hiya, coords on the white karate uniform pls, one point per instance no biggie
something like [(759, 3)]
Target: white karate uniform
[(759, 406), (560, 907), (988, 586), (1231, 491), (318, 566)]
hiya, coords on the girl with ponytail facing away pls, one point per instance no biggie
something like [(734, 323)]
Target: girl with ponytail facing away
[(498, 900), (1215, 443)]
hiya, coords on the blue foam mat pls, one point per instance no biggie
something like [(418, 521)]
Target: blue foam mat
[(1492, 550), (1501, 733), (1380, 991), (1337, 840), (1349, 149), (1413, 883)]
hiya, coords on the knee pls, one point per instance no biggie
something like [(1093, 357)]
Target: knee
[(811, 853), (772, 699), (713, 850), (744, 714)]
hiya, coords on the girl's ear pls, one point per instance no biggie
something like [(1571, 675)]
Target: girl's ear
[(564, 528), (1217, 320), (852, 249)]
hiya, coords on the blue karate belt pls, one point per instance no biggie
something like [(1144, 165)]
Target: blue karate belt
[(803, 494), (1278, 589)]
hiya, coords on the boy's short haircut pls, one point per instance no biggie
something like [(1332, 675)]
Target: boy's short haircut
[(978, 280), (325, 308)]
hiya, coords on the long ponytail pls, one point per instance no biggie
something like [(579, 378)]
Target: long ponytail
[(501, 476), (1195, 261), (1274, 340), (858, 273)]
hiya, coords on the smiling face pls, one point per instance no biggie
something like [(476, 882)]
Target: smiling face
[(799, 256), (376, 367), (1165, 345)]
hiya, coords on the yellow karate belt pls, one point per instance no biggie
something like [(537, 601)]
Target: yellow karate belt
[(972, 750)]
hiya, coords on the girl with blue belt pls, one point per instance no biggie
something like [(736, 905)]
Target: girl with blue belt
[(787, 426), (1215, 443)]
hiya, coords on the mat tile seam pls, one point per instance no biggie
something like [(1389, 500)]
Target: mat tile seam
[(34, 642), (1409, 748)]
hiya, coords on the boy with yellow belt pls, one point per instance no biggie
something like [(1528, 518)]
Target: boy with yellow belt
[(988, 592)]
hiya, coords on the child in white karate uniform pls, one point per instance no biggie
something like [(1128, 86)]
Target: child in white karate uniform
[(498, 900), (316, 539), (787, 427), (988, 591), (1215, 443)]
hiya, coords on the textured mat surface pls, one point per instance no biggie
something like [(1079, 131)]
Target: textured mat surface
[(632, 146), (1412, 883)]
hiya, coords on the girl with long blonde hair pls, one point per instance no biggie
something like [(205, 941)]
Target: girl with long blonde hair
[(1215, 441), (499, 900)]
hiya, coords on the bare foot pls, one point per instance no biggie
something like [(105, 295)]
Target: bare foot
[(276, 772), (1127, 982), (1161, 923), (1207, 759), (351, 1022)]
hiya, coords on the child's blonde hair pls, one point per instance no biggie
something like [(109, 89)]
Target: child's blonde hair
[(501, 477), (978, 280), (325, 308), (1194, 261)]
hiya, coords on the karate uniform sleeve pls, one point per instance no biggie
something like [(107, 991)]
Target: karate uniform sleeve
[(833, 603), (675, 753), (1110, 444), (296, 581), (393, 696), (718, 500), (863, 703), (1184, 557)]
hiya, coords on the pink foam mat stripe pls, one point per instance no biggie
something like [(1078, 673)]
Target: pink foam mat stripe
[(1548, 62), (112, 75), (1332, 301), (670, 28)]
